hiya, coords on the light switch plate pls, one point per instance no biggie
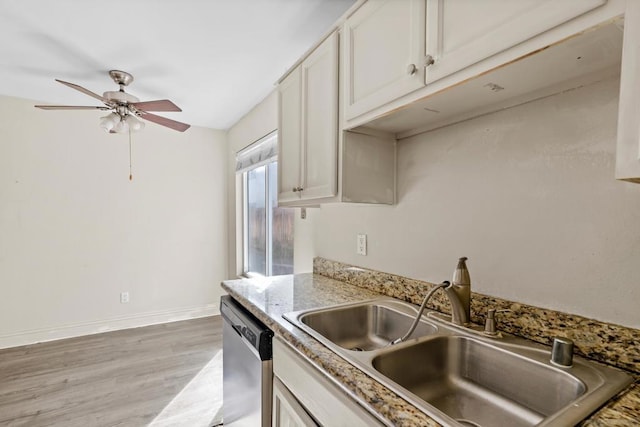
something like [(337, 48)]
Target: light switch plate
[(362, 244)]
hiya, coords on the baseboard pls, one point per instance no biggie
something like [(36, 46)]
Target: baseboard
[(95, 327)]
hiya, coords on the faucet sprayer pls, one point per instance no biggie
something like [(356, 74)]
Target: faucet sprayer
[(433, 290), (458, 292)]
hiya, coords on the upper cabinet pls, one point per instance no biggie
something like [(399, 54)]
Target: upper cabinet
[(394, 51), (317, 162), (395, 68), (289, 137), (463, 32), (319, 74), (628, 148), (308, 127), (384, 53)]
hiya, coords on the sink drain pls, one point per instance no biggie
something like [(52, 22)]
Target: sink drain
[(467, 423), (357, 348)]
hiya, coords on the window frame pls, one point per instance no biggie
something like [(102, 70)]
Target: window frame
[(268, 221)]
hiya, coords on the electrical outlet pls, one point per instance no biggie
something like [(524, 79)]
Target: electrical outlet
[(124, 297), (362, 244)]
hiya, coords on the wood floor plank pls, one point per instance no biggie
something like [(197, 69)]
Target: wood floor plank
[(160, 375)]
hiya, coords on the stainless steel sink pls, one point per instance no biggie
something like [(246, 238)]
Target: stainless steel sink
[(363, 327), (457, 376), (479, 383)]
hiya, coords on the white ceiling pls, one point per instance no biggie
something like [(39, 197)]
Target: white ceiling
[(215, 59)]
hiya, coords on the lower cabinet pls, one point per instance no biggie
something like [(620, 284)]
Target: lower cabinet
[(302, 396), (287, 411)]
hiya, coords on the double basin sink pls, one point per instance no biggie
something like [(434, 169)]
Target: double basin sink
[(458, 376)]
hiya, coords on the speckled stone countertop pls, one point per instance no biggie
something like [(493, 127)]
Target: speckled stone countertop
[(269, 298)]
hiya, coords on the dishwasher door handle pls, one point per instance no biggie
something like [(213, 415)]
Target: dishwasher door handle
[(237, 328)]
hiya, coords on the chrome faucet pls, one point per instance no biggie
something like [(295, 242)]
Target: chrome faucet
[(459, 293)]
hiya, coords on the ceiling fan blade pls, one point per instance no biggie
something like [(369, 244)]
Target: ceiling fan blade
[(85, 91), (70, 107), (175, 125), (159, 105)]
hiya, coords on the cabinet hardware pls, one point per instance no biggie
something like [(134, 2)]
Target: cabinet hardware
[(412, 69), (428, 60)]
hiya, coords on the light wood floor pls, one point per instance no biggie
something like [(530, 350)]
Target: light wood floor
[(160, 375)]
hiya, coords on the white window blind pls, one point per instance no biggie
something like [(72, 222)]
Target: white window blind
[(259, 153)]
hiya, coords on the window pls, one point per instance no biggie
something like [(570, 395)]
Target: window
[(267, 229)]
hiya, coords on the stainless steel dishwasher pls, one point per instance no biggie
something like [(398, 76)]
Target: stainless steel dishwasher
[(247, 367)]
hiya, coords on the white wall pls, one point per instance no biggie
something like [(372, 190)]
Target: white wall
[(528, 194), (74, 232)]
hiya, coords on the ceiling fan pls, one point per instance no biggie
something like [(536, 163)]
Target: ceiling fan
[(125, 108)]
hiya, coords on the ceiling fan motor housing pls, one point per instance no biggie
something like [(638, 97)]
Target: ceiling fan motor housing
[(120, 97)]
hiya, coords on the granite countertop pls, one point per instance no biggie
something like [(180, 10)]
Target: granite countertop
[(269, 298)]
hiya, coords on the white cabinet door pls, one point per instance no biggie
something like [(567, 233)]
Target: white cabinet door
[(323, 400), (308, 128), (463, 32), (384, 53), (287, 411), (628, 147), (289, 137), (320, 121)]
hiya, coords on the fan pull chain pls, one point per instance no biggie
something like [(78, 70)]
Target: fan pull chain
[(130, 171)]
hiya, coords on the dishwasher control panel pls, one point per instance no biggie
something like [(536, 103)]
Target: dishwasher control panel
[(257, 335), (249, 335)]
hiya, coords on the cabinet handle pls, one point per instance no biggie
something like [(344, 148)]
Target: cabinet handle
[(428, 60), (296, 189), (300, 188), (412, 69)]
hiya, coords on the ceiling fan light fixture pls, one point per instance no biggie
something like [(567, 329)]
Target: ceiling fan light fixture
[(109, 122), (122, 126), (134, 124)]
